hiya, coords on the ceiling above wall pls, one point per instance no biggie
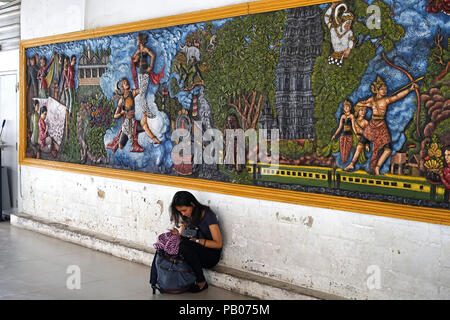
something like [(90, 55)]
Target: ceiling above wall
[(9, 24)]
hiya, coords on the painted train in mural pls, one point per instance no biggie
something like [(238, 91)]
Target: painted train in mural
[(359, 92)]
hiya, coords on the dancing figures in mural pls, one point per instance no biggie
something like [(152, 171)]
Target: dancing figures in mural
[(339, 20), (130, 126), (287, 70), (140, 60), (377, 132)]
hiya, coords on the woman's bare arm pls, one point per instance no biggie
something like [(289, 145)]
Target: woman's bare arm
[(338, 129), (216, 242), (119, 111)]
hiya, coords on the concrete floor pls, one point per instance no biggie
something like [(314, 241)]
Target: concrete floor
[(34, 266)]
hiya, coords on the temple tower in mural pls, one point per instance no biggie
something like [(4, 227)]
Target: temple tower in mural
[(294, 100)]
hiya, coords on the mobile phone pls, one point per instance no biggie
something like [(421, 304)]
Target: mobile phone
[(189, 233)]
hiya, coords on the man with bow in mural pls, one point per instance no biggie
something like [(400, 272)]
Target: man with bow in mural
[(377, 132), (339, 20)]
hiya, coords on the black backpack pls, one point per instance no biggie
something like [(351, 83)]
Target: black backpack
[(170, 273)]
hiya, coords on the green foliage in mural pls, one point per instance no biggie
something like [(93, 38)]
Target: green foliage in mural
[(95, 141), (169, 105), (71, 147), (96, 129), (242, 177), (332, 84), (293, 150), (243, 65)]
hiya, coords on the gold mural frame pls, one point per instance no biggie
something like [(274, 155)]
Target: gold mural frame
[(399, 211)]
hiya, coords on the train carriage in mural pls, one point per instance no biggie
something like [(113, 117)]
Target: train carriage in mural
[(354, 96)]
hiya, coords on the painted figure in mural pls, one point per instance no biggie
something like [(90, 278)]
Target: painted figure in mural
[(34, 127), (45, 142), (339, 20), (360, 122), (347, 123), (32, 82), (68, 83), (130, 126), (43, 85), (140, 59), (191, 71), (54, 90), (377, 132)]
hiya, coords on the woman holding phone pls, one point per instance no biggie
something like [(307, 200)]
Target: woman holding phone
[(201, 239)]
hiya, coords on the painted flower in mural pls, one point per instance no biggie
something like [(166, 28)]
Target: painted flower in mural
[(434, 164)]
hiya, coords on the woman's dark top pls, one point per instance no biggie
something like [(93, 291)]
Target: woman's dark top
[(208, 219), (347, 127), (143, 63)]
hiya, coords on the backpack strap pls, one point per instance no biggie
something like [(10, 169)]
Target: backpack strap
[(156, 287)]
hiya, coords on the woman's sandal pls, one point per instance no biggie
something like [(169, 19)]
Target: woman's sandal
[(195, 288)]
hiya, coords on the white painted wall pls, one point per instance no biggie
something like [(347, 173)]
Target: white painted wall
[(9, 61), (9, 74), (50, 17), (323, 249)]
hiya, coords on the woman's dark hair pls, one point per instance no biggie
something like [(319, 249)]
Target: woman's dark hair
[(142, 38), (43, 109), (185, 198)]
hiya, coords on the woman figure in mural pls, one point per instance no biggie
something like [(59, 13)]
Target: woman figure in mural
[(45, 142), (140, 59), (376, 131), (203, 250), (43, 85), (360, 122), (347, 122), (342, 37), (130, 126)]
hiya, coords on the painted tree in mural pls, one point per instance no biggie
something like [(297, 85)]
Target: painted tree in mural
[(243, 66), (434, 118), (332, 84)]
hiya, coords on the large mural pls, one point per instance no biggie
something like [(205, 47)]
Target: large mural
[(353, 98)]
